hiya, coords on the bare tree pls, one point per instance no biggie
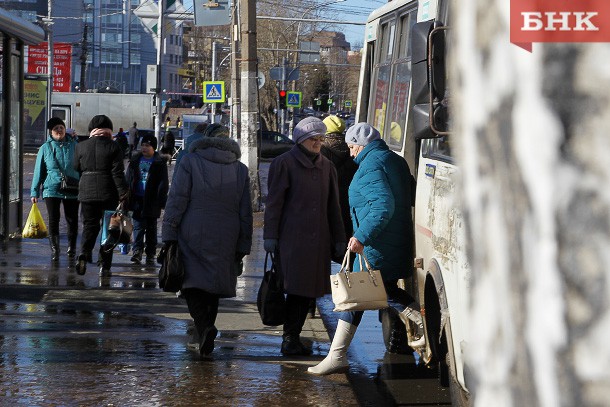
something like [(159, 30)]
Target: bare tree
[(531, 133)]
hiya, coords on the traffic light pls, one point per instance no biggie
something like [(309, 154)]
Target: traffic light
[(282, 95)]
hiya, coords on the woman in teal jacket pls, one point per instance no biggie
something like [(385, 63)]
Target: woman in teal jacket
[(381, 195), (54, 158)]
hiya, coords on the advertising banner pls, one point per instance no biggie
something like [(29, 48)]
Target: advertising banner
[(34, 111), (62, 63)]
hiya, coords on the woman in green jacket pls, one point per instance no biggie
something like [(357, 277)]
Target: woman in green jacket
[(54, 159)]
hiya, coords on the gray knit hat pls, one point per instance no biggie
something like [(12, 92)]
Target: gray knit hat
[(361, 134), (307, 128)]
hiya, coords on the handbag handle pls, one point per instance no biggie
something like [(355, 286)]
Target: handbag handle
[(369, 268), (273, 269), (345, 268)]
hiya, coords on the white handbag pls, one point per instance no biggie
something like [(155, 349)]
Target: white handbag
[(359, 291)]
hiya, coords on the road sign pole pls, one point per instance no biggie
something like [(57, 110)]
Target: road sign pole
[(213, 105), (282, 111)]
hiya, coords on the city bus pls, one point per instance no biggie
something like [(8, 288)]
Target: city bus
[(402, 94)]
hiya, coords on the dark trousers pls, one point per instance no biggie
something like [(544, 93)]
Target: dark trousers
[(145, 235), (397, 298), (70, 213), (203, 308), (93, 214), (296, 314)]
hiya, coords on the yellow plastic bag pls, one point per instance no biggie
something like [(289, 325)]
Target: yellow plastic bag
[(35, 227)]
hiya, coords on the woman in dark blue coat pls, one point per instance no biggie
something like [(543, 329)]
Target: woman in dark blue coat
[(209, 214), (380, 197)]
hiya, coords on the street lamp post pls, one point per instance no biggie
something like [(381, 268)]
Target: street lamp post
[(159, 77)]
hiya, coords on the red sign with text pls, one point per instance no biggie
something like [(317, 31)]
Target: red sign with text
[(62, 63), (559, 21)]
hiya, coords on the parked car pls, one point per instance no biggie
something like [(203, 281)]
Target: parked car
[(273, 144)]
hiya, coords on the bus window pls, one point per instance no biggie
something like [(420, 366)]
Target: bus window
[(438, 148), (380, 92), (394, 133)]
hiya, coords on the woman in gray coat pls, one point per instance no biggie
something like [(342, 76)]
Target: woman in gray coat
[(303, 225), (209, 214)]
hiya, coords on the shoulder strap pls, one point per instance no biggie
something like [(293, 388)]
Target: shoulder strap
[(55, 158)]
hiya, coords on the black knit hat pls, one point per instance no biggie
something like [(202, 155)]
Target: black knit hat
[(100, 122), (54, 121), (150, 140)]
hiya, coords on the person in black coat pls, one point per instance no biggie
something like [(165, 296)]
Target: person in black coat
[(169, 145), (148, 187), (336, 150), (99, 160)]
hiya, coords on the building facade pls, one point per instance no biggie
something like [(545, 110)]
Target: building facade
[(111, 47)]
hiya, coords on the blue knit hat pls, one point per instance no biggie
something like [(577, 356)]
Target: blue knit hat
[(307, 128), (361, 134)]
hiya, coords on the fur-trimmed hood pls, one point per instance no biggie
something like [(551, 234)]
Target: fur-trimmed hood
[(225, 144)]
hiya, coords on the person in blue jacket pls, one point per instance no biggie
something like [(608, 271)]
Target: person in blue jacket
[(54, 158), (381, 195)]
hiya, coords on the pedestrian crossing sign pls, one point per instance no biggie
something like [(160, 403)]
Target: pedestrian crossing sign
[(294, 99), (214, 92), (348, 103)]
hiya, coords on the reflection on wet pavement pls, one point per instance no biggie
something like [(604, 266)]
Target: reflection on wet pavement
[(70, 340)]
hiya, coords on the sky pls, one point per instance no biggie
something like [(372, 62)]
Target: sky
[(348, 10)]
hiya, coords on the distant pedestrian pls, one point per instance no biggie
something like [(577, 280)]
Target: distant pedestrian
[(168, 122), (148, 186), (209, 214), (55, 158), (303, 226), (169, 145), (121, 139), (99, 160), (178, 122), (381, 196), (133, 138), (189, 140)]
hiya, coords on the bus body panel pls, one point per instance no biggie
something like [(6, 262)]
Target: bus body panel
[(439, 238)]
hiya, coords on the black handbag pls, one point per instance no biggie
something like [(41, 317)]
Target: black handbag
[(171, 274), (67, 184), (271, 302)]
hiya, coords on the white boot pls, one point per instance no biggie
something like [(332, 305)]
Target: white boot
[(413, 315), (336, 360)]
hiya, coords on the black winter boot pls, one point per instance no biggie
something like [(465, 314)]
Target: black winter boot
[(292, 346), (394, 332), (105, 261), (81, 264), (54, 241), (71, 245)]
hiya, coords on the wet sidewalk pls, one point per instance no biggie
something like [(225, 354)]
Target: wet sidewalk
[(67, 339)]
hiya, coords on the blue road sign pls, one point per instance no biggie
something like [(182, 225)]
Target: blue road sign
[(214, 92), (293, 99)]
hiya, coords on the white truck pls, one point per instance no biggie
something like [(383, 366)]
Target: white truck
[(77, 109)]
